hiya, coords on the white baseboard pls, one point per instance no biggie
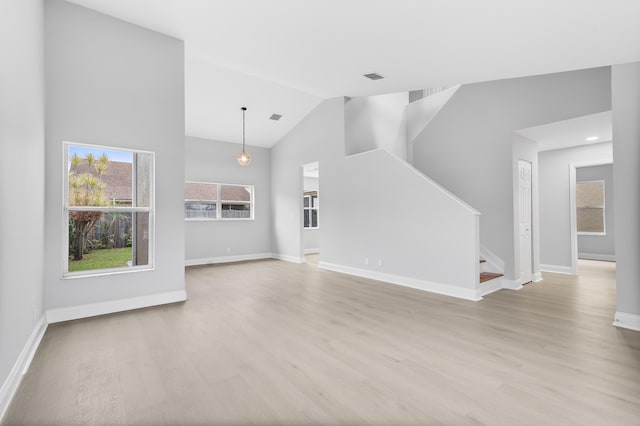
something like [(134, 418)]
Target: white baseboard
[(446, 289), (226, 259), (537, 277), (630, 321), (311, 251), (21, 366), (511, 284), (288, 258), (103, 308), (557, 269), (596, 256)]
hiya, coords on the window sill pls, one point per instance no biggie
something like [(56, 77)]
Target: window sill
[(598, 234)]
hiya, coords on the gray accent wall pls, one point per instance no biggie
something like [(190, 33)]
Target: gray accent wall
[(21, 179), (555, 206), (112, 83), (467, 147), (214, 161), (602, 246), (626, 174)]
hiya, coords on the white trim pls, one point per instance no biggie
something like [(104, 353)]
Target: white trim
[(311, 250), (511, 284), (630, 321), (489, 287), (21, 366), (112, 306), (596, 256), (446, 289), (537, 277), (288, 258), (226, 259), (558, 269)]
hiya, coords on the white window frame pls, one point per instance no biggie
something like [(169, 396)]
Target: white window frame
[(218, 201), (66, 209), (317, 209), (603, 207)]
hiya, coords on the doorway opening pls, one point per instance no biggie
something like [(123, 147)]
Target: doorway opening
[(311, 212)]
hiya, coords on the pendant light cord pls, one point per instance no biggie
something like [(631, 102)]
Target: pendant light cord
[(244, 109)]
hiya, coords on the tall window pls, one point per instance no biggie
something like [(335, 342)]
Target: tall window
[(590, 207), (217, 201), (311, 206), (108, 209)]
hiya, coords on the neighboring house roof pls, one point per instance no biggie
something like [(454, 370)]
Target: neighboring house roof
[(208, 191), (117, 177)]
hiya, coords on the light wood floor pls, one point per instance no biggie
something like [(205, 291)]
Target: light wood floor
[(270, 342)]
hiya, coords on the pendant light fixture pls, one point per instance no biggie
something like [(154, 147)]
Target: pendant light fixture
[(244, 159)]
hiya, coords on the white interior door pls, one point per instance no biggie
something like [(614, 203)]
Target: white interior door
[(524, 173)]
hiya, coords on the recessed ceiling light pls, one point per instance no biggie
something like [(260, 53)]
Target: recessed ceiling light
[(373, 76), (592, 138), (275, 117)]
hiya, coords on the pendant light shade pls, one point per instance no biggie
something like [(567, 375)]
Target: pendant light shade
[(244, 159)]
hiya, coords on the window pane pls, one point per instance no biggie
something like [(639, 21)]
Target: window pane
[(236, 211), (314, 218), (590, 194), (199, 210), (198, 191), (307, 218), (306, 201), (141, 244), (316, 202), (106, 244), (143, 170), (100, 177), (235, 193), (590, 219)]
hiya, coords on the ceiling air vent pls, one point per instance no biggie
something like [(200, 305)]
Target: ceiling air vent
[(275, 117), (374, 76)]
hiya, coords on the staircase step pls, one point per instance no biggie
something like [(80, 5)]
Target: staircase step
[(486, 276)]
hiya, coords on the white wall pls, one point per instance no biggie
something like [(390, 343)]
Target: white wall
[(311, 237), (626, 152), (421, 237), (599, 247), (376, 122), (116, 84), (397, 225), (555, 208), (467, 147), (21, 183), (208, 241)]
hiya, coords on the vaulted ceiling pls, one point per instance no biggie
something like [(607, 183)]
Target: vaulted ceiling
[(285, 56)]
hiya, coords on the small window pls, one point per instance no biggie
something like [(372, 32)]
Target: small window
[(590, 208), (215, 201), (311, 207), (108, 210)]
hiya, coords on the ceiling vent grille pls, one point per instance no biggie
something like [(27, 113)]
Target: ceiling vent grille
[(374, 76), (275, 117)]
